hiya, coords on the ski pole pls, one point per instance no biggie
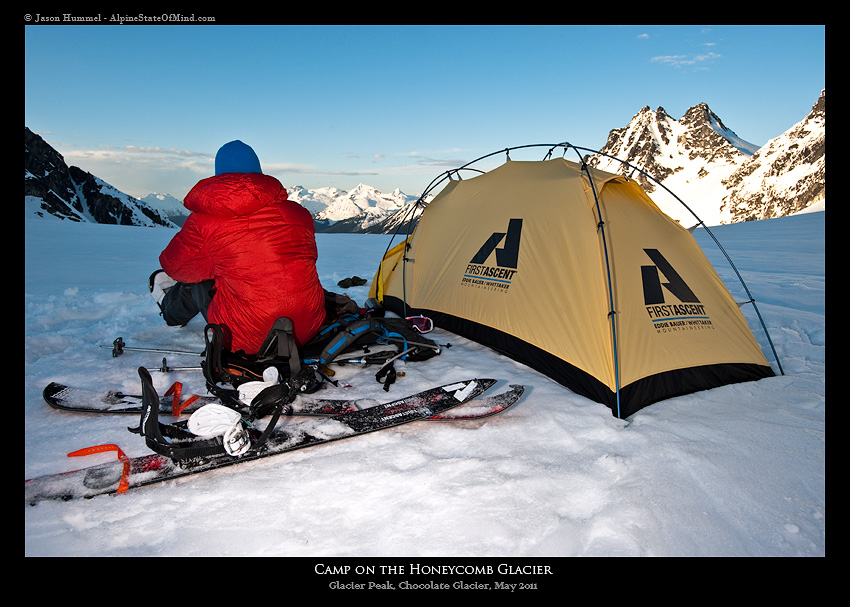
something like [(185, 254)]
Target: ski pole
[(166, 369), (118, 348)]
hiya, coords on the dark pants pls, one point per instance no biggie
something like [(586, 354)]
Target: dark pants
[(184, 300)]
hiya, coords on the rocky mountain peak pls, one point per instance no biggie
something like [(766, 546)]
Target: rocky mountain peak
[(51, 187), (785, 175), (641, 143), (705, 163)]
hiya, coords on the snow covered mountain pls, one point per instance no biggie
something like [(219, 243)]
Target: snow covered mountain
[(785, 176), (52, 188), (723, 178), (170, 206), (359, 210), (316, 200)]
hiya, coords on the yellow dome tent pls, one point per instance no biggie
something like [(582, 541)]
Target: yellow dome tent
[(576, 273)]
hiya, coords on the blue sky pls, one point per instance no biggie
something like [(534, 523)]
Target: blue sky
[(146, 107)]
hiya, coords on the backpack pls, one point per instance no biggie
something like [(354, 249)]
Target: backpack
[(368, 341), (223, 366), (363, 337)]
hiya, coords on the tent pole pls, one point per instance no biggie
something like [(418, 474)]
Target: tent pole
[(611, 311)]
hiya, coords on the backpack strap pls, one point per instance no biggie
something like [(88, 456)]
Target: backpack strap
[(211, 365), (280, 345)]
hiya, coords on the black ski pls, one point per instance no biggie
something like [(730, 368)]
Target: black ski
[(78, 400), (114, 402), (479, 408), (128, 473)]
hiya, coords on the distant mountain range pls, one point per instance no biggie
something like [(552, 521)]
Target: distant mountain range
[(721, 177), (361, 210)]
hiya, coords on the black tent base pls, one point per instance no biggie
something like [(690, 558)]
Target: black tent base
[(632, 397)]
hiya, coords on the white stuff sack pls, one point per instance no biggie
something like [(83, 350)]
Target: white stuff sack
[(248, 391), (217, 420)]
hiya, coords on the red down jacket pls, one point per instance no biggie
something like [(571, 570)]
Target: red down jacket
[(260, 248)]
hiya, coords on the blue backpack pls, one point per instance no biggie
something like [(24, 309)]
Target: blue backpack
[(368, 341)]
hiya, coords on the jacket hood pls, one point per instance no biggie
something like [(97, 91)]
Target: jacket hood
[(234, 194)]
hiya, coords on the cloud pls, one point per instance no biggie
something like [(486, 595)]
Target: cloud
[(156, 151), (138, 170), (162, 158), (682, 61), (422, 160)]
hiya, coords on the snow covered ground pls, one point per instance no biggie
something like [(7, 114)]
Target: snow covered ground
[(735, 471)]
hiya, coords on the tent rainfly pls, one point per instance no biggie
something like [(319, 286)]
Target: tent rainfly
[(576, 273)]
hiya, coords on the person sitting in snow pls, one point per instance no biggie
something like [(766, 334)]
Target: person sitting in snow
[(245, 256)]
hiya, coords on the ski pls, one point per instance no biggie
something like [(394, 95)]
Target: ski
[(129, 473), (78, 400), (114, 402), (479, 408)]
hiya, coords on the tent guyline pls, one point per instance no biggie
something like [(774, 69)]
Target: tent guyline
[(460, 262)]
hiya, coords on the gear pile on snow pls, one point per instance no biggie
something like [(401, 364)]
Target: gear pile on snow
[(253, 392), (183, 453)]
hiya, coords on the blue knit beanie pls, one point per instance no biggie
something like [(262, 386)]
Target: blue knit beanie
[(236, 157)]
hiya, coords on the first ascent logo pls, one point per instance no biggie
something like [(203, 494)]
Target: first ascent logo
[(481, 273), (688, 314)]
